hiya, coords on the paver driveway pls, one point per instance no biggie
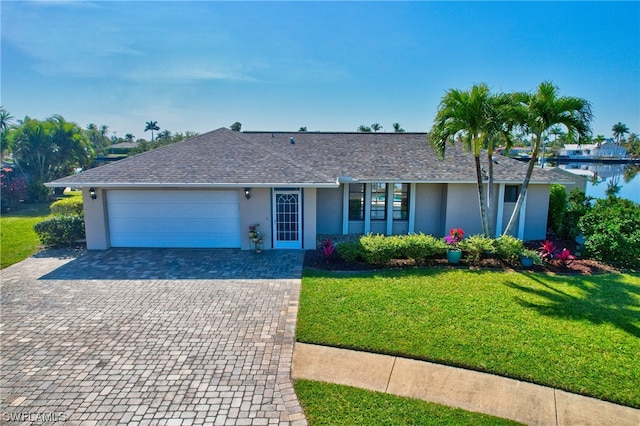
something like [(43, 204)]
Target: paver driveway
[(150, 336)]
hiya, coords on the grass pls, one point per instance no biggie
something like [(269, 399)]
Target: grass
[(578, 333), (329, 404), (18, 240)]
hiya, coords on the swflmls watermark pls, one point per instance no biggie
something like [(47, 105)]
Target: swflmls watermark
[(34, 417)]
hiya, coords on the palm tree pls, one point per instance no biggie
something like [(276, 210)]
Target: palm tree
[(151, 125), (129, 137), (539, 112), (302, 129), (397, 128), (104, 129), (465, 116), (375, 127), (363, 128), (5, 123), (598, 140), (619, 130)]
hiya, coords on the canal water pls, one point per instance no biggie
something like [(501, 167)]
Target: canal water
[(622, 180)]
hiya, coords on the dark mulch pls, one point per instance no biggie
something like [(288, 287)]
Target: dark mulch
[(315, 259)]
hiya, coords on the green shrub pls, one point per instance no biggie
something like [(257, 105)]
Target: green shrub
[(420, 246), (509, 248), (379, 249), (475, 246), (611, 230), (557, 207), (350, 251), (578, 204), (68, 207), (61, 230), (38, 193)]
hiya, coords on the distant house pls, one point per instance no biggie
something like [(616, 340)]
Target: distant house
[(207, 191), (608, 149)]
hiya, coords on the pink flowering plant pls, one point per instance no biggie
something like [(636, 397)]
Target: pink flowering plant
[(328, 247), (455, 236)]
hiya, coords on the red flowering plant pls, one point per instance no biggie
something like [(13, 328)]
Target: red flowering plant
[(547, 249), (455, 236), (13, 188), (565, 255), (328, 247)]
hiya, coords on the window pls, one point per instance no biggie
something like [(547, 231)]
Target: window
[(400, 201), (378, 201), (356, 201), (511, 193)]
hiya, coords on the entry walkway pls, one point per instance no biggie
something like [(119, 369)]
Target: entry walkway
[(470, 390)]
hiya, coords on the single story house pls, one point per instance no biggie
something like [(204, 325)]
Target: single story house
[(607, 149), (207, 191)]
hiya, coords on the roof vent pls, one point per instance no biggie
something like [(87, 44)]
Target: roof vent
[(292, 141)]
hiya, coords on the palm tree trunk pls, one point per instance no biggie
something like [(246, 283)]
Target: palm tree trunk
[(523, 191), (483, 210)]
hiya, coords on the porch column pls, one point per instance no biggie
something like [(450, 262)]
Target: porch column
[(367, 208), (345, 209), (412, 208), (389, 207), (500, 214), (523, 213)]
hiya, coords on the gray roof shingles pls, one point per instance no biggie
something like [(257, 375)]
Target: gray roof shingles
[(223, 157)]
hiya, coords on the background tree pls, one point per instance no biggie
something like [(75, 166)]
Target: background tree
[(375, 127), (619, 130), (151, 125), (302, 129), (5, 124), (539, 112), (397, 128), (236, 126), (129, 137), (48, 150), (363, 128), (632, 145), (598, 140)]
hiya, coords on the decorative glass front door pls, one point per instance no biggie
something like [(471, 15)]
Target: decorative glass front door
[(287, 218)]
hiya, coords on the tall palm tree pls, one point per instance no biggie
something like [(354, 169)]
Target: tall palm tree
[(376, 126), (129, 137), (151, 125), (465, 116), (619, 130), (539, 112)]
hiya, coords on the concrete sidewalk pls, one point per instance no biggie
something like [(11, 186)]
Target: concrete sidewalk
[(470, 390)]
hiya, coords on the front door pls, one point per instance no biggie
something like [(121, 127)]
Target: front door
[(287, 219)]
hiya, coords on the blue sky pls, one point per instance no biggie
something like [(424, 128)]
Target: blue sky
[(328, 66)]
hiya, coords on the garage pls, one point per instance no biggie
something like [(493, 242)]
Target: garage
[(174, 218)]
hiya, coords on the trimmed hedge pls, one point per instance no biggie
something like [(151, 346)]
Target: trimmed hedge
[(68, 206), (379, 249), (61, 230)]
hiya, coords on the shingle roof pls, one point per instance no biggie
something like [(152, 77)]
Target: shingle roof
[(226, 158)]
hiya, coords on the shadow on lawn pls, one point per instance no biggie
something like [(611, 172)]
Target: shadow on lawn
[(603, 299)]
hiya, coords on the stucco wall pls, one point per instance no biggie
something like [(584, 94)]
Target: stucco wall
[(463, 210), (309, 219), (255, 210), (329, 210), (429, 213), (96, 221), (537, 209)]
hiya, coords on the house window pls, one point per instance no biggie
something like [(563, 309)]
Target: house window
[(511, 193), (356, 201), (400, 201), (378, 201)]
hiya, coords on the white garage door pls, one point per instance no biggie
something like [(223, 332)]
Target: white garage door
[(174, 218)]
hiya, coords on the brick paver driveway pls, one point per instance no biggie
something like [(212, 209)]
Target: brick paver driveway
[(150, 336)]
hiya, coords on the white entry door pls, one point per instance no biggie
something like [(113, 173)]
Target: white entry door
[(287, 219)]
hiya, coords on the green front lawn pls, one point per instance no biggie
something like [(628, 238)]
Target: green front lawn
[(328, 404), (578, 333), (18, 240)]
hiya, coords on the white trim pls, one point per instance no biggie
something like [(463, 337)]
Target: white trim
[(389, 193), (500, 214), (367, 208), (412, 208), (345, 209), (521, 219)]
